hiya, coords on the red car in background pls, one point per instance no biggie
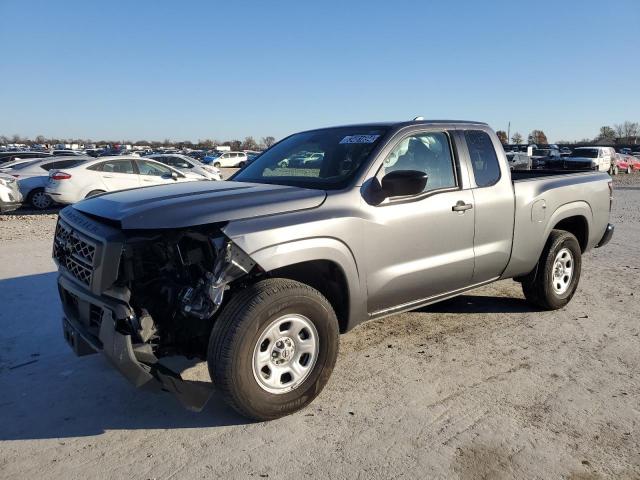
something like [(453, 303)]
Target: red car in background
[(626, 163)]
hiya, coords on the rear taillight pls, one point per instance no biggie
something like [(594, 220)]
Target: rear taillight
[(610, 195), (61, 176)]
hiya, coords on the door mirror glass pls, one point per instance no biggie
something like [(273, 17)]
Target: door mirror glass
[(170, 175), (400, 183)]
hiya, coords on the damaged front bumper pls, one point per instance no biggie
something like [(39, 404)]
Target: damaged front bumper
[(90, 326)]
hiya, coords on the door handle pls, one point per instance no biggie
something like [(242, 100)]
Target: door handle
[(460, 206)]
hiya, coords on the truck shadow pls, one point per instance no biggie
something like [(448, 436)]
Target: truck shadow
[(48, 392), (479, 304)]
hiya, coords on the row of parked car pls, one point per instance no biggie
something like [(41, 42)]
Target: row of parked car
[(42, 181), (604, 159)]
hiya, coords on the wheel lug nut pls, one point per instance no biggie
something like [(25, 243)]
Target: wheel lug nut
[(279, 344)]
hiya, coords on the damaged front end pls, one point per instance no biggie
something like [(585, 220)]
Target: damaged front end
[(147, 296)]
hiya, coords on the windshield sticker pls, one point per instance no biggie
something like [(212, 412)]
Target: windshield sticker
[(359, 139)]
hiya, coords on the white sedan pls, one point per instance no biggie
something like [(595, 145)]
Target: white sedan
[(33, 175), (109, 174)]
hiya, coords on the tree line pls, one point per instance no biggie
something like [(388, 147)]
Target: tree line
[(249, 143), (626, 133)]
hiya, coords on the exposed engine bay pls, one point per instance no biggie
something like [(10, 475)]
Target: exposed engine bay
[(176, 282)]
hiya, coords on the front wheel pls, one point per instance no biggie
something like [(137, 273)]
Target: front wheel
[(217, 164), (629, 170), (273, 348), (554, 281)]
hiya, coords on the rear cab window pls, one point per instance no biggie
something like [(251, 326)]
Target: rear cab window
[(483, 158)]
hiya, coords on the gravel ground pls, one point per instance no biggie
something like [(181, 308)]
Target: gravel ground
[(480, 386)]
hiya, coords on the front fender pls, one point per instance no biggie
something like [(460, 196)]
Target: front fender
[(318, 248)]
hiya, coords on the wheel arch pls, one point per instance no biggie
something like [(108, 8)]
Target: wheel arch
[(578, 225), (325, 264)]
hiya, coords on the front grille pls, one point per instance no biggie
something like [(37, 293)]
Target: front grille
[(86, 314), (74, 252)]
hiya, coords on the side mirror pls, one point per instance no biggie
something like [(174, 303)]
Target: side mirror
[(170, 176), (401, 183)]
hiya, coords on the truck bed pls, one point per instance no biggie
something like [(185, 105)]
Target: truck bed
[(543, 198), (517, 175)]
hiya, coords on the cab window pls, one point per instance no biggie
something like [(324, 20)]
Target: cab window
[(426, 152)]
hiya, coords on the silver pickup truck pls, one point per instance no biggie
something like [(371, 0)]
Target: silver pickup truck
[(327, 229)]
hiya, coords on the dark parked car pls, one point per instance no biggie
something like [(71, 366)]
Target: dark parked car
[(6, 157), (545, 157)]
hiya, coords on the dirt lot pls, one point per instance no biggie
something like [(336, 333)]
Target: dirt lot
[(481, 386)]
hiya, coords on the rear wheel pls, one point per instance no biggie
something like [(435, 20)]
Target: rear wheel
[(39, 200), (273, 348), (241, 165), (554, 281), (93, 193)]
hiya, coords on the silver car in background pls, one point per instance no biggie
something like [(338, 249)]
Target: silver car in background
[(10, 196), (33, 177), (187, 164)]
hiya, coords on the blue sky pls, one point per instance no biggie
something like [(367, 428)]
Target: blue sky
[(203, 69)]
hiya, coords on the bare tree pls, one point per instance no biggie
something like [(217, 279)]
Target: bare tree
[(502, 136), (249, 144), (234, 144), (516, 138), (538, 137), (630, 131), (627, 132), (268, 141), (606, 135)]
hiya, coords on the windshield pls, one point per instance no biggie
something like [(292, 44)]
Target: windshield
[(585, 152), (327, 159)]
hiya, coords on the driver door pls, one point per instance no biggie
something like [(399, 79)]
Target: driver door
[(420, 247)]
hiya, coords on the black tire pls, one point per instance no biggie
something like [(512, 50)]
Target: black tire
[(628, 170), (241, 165), (217, 164), (237, 331), (93, 193), (39, 200), (538, 285)]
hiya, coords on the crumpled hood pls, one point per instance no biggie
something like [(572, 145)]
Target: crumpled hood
[(188, 204)]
